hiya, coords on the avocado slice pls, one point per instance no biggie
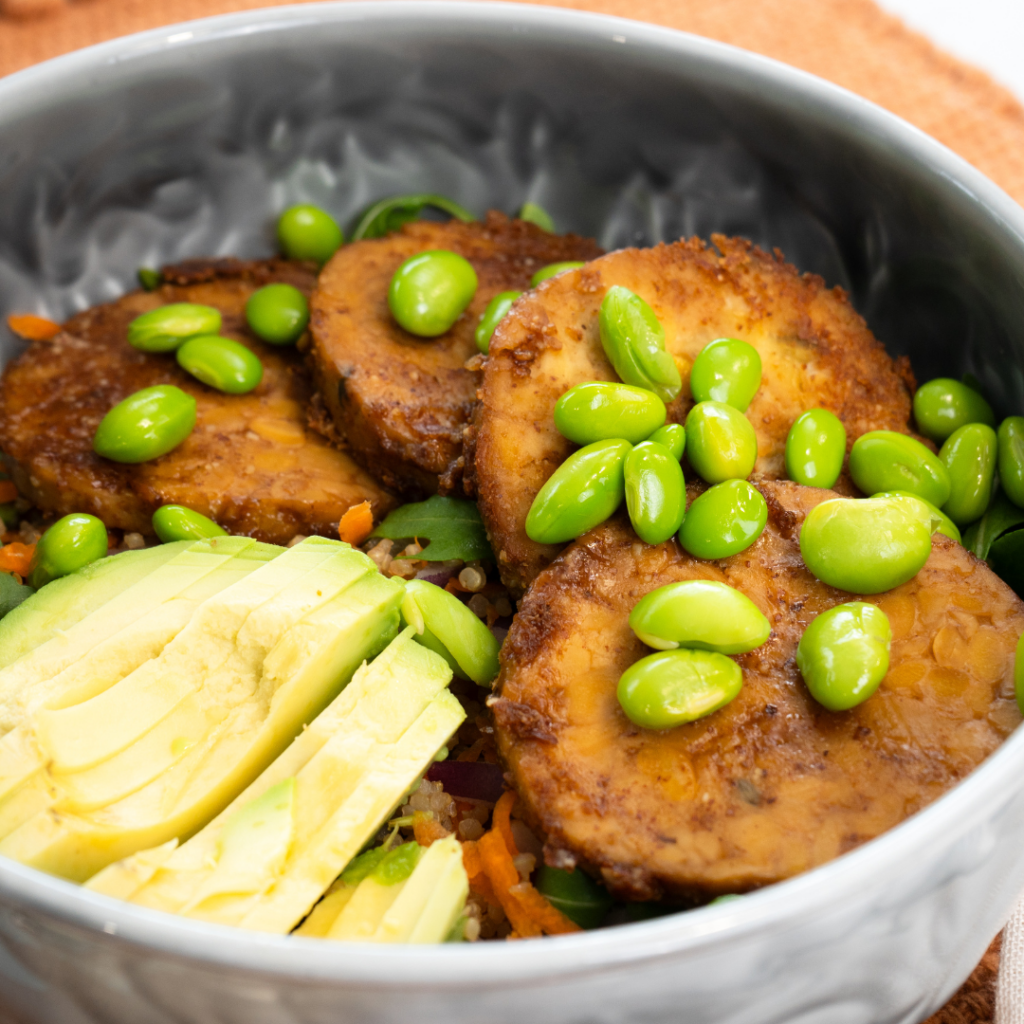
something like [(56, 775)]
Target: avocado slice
[(326, 912), (123, 879), (361, 917)]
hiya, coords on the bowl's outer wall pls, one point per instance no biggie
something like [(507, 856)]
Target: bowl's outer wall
[(188, 141)]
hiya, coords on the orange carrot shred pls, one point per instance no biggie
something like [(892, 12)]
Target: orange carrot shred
[(32, 328), (8, 492), (549, 917), (503, 875), (356, 523), (426, 829), (501, 820), (17, 558), (472, 753)]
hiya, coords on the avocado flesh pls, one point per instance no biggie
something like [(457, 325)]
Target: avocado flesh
[(326, 912), (362, 914), (124, 878)]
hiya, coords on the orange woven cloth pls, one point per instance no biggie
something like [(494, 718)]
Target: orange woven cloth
[(850, 42)]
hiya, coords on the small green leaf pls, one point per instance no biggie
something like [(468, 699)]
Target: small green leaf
[(11, 593), (536, 214), (150, 279), (389, 215), (9, 515), (1006, 557), (452, 525), (1001, 516)]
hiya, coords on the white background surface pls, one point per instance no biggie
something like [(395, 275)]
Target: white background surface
[(987, 33)]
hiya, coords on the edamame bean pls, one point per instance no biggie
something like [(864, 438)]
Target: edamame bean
[(71, 543), (277, 313), (176, 522), (583, 492), (146, 425), (308, 233), (884, 460), (655, 492), (534, 213), (673, 687), (495, 312), (1018, 674), (720, 442), (935, 519), (726, 370), (704, 614), (1011, 458), (634, 342), (575, 894), (815, 448), (864, 545), (723, 521), (673, 437), (553, 270), (844, 654), (430, 291), (599, 409), (223, 363), (944, 405), (969, 453), (169, 327), (467, 640)]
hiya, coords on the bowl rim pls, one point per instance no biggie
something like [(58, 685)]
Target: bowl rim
[(476, 966)]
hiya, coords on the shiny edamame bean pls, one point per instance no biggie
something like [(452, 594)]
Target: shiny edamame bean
[(575, 894), (1018, 674), (934, 518), (844, 654), (884, 460), (146, 425), (815, 448), (553, 270), (534, 213), (169, 327), (726, 370), (673, 437), (598, 409), (176, 522), (655, 492), (704, 614), (634, 342), (583, 492), (720, 442), (71, 543), (723, 521), (944, 405), (277, 314), (222, 363), (864, 545), (495, 312), (1011, 458), (673, 687), (430, 291), (308, 233), (969, 453)]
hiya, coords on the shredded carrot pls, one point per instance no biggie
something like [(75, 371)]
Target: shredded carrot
[(501, 820), (478, 880), (17, 558), (473, 753), (356, 524), (453, 586), (503, 875), (32, 328), (551, 920), (8, 492), (426, 829)]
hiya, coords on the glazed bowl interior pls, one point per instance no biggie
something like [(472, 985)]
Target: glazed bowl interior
[(187, 142)]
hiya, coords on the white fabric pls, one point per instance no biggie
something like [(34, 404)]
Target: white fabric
[(1010, 981)]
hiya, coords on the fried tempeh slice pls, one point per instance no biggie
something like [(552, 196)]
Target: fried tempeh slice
[(773, 784), (815, 349), (251, 463), (403, 402)]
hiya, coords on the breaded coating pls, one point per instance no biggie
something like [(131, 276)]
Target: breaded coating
[(401, 401), (816, 351), (772, 784), (252, 463)]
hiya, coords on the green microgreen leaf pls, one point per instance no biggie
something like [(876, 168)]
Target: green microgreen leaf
[(12, 593), (389, 215), (1002, 515), (452, 525), (1006, 557), (150, 279)]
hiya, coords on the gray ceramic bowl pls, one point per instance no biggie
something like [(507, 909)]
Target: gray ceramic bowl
[(187, 140)]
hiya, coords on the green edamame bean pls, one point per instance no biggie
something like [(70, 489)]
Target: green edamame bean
[(1018, 674), (223, 363), (969, 453), (884, 460), (704, 614), (655, 492), (598, 409), (673, 437), (534, 213), (176, 522), (723, 521), (169, 327), (467, 640), (575, 894), (815, 448), (944, 405), (495, 312), (634, 342), (726, 370), (865, 545), (583, 492), (146, 425), (673, 687), (430, 291), (71, 543), (1011, 458), (308, 233), (935, 519), (720, 442), (844, 654), (277, 313), (553, 270)]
